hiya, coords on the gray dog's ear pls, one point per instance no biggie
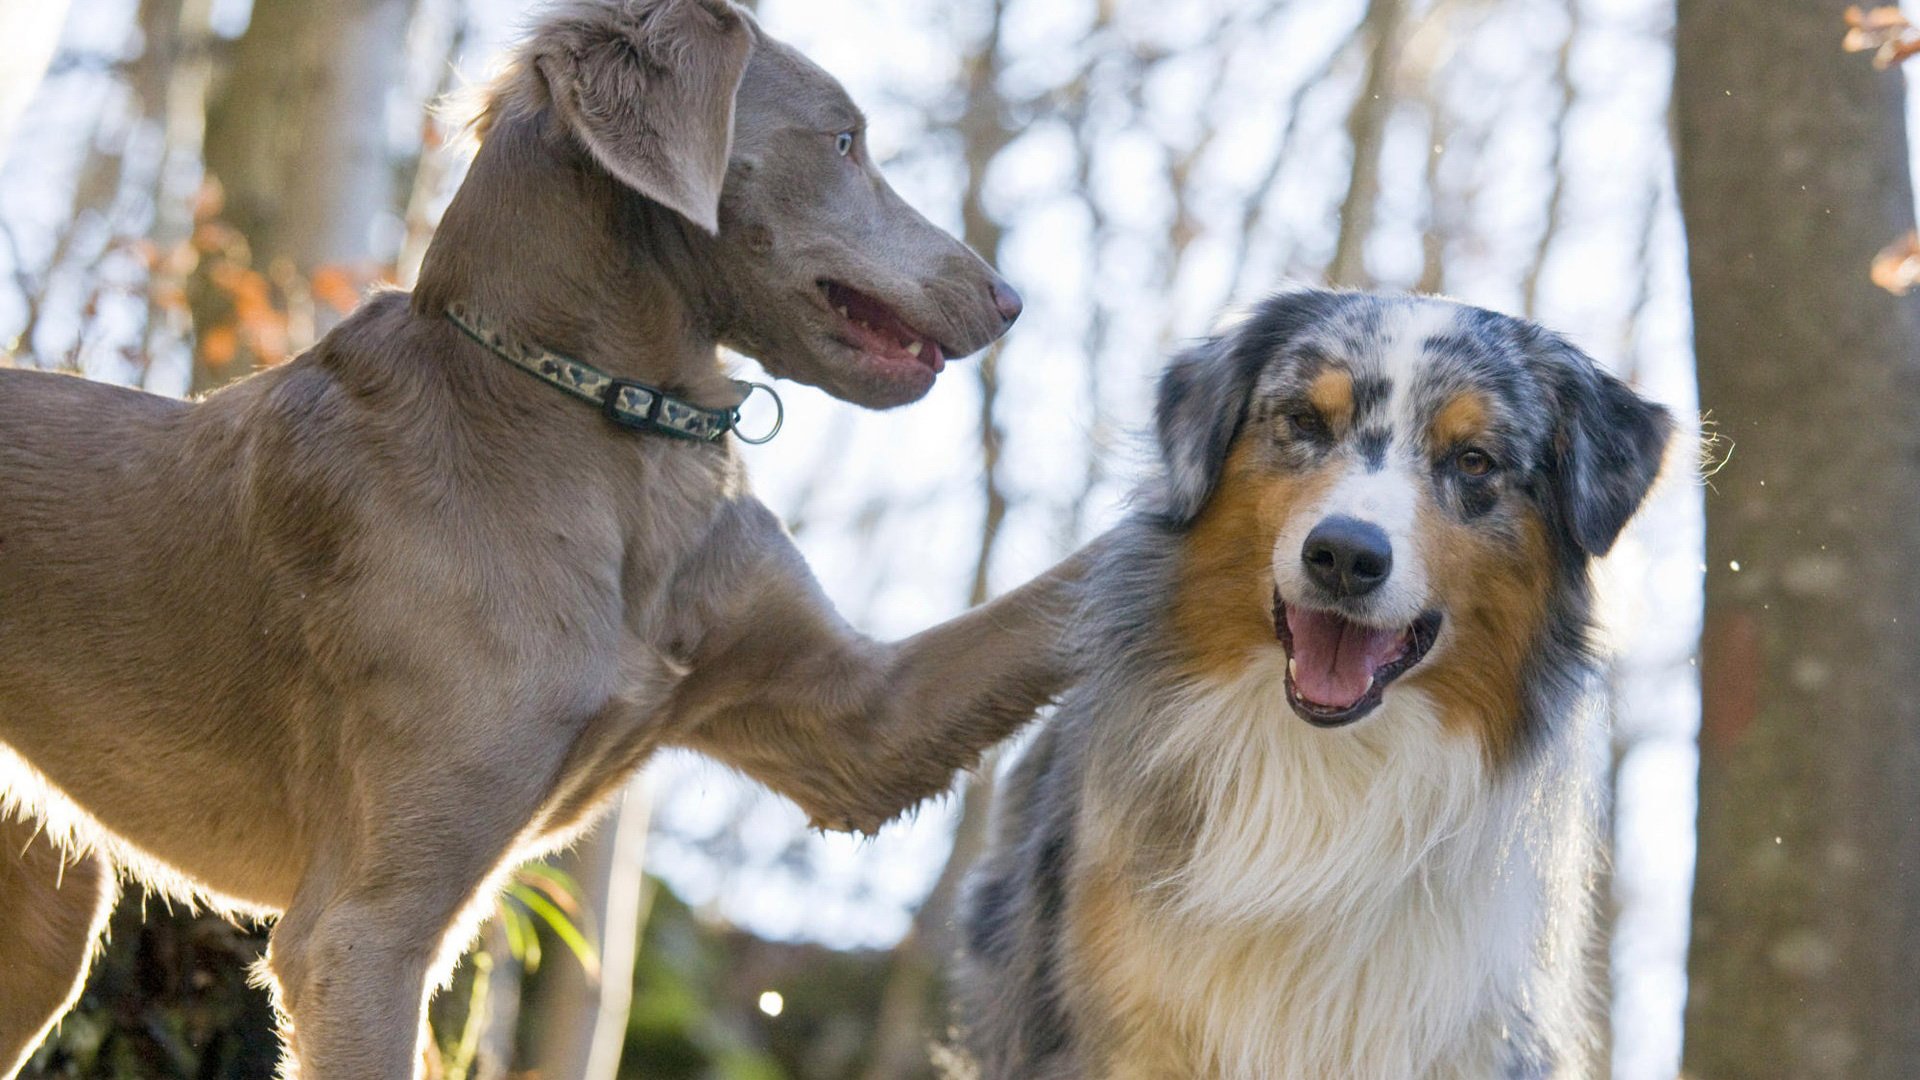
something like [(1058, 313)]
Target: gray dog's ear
[(648, 87), (1607, 449), (1202, 401)]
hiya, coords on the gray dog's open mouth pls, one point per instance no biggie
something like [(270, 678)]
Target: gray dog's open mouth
[(877, 330), (1337, 669)]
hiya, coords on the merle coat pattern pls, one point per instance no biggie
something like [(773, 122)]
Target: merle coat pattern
[(1186, 880)]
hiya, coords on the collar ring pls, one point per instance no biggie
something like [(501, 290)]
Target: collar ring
[(779, 416)]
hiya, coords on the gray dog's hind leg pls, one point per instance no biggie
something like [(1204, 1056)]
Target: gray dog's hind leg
[(52, 907)]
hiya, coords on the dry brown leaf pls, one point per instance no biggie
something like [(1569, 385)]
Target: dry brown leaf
[(169, 296), (268, 340), (1884, 17), (252, 296), (218, 345), (181, 261), (1884, 30), (1897, 52), (337, 287), (1897, 267), (209, 201), (211, 236)]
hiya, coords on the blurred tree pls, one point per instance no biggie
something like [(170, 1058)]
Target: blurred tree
[(31, 31), (912, 1011), (169, 83), (1793, 171), (296, 149), (578, 1022), (167, 998), (1366, 134)]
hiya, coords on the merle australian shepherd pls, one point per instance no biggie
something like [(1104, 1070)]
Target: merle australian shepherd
[(1324, 806)]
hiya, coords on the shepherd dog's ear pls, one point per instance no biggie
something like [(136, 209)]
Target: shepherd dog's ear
[(648, 87), (1205, 392), (1608, 446), (1203, 400)]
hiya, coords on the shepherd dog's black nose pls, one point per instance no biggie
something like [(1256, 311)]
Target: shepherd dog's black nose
[(1347, 557)]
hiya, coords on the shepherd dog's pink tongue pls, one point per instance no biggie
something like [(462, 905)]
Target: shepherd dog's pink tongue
[(1334, 660)]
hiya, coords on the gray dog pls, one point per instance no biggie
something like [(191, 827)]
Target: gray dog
[(344, 642)]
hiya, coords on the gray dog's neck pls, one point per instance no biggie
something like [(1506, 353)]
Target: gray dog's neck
[(549, 247)]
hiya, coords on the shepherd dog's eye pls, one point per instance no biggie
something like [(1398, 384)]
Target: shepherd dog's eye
[(1307, 424), (1474, 461), (843, 143)]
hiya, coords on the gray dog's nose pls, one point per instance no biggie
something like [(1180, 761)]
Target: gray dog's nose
[(1347, 557), (1006, 300)]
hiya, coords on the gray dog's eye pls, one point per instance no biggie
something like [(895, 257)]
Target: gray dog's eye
[(843, 143)]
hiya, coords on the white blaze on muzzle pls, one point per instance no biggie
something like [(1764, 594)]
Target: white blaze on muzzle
[(1387, 498)]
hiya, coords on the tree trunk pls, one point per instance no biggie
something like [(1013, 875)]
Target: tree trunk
[(903, 1030), (296, 138), (298, 134), (1793, 171), (171, 81), (579, 1024), (1367, 132)]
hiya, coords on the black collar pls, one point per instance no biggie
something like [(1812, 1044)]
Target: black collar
[(632, 405)]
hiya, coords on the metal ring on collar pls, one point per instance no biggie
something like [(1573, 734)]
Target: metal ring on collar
[(779, 415)]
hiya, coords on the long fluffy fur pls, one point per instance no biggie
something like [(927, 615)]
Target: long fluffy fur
[(1372, 905), (1188, 880)]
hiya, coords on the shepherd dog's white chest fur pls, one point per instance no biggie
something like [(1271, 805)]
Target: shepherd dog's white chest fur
[(1356, 904)]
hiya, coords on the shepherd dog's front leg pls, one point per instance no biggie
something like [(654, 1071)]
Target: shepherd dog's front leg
[(857, 731)]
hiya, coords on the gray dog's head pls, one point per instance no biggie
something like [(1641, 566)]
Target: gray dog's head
[(811, 263)]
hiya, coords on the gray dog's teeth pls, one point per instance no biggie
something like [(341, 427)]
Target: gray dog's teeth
[(913, 349)]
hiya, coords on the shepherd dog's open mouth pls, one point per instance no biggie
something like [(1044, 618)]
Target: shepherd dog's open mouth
[(1337, 669)]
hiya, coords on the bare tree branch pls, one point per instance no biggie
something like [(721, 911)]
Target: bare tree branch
[(1253, 211), (901, 1035), (1366, 131), (431, 167), (1556, 164), (1441, 210)]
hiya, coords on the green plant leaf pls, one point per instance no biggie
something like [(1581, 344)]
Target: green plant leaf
[(537, 902)]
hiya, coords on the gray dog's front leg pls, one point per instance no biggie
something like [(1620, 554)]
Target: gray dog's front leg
[(853, 730)]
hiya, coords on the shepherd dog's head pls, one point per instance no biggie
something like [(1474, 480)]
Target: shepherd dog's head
[(1399, 493)]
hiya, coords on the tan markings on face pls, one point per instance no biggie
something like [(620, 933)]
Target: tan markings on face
[(1461, 420), (1223, 608), (1494, 594), (1331, 392)]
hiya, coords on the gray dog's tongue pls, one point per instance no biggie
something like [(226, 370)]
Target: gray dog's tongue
[(1334, 659)]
